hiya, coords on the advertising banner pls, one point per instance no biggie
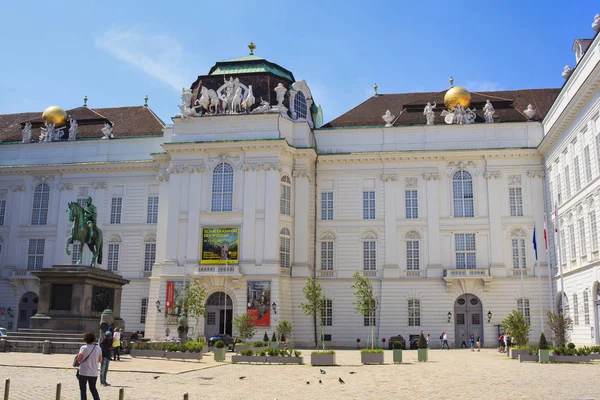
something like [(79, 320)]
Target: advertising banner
[(259, 302), (170, 294), (220, 245)]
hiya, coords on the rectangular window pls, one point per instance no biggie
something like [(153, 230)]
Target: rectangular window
[(143, 311), (327, 313), (586, 307), (326, 205), (587, 163), (113, 257), (211, 318), (593, 231), (115, 210), (460, 319), (558, 189), (369, 321), (516, 201), (575, 310), (2, 211), (149, 256), (285, 252), (572, 244), (369, 204), (35, 254), (411, 203), (568, 182), (152, 217), (577, 173), (563, 246), (414, 312), (369, 255), (75, 253), (412, 255), (285, 202), (465, 250), (518, 252), (327, 256), (475, 319), (582, 238), (82, 201)]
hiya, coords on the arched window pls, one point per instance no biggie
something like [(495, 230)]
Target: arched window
[(575, 309), (222, 188), (413, 251), (586, 307), (369, 251), (300, 106), (284, 248), (519, 259), (462, 186), (414, 312), (41, 197), (285, 201)]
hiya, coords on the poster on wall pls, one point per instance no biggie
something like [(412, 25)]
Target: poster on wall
[(220, 245), (170, 294), (259, 302)]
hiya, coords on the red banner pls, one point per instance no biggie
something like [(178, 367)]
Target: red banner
[(170, 294)]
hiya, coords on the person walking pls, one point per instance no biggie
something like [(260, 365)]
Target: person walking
[(472, 342), (428, 339), (445, 341), (116, 344), (478, 340), (506, 342), (106, 347), (464, 342), (501, 343), (88, 357)]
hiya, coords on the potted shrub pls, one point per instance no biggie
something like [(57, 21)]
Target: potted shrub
[(245, 324), (422, 348), (322, 357), (283, 356), (371, 356), (273, 343), (247, 355), (148, 349), (543, 352), (219, 350), (397, 350)]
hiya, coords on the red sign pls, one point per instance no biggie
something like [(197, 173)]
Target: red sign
[(170, 294)]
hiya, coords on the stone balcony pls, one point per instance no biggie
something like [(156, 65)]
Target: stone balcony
[(208, 270), (452, 274)]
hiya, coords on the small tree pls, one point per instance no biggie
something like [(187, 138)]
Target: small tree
[(266, 338), (314, 304), (543, 344), (273, 337), (283, 329), (366, 303), (421, 343), (516, 324), (194, 302), (559, 325), (245, 324)]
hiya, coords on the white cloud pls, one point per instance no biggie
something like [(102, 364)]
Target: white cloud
[(482, 86), (160, 56)]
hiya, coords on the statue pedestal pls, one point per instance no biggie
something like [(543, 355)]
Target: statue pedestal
[(73, 297)]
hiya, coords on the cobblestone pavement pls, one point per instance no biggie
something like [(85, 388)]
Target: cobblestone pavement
[(455, 374)]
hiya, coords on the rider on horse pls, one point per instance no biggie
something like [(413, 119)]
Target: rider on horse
[(90, 214)]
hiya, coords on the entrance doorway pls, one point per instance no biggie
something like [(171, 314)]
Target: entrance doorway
[(468, 314), (219, 314), (27, 309)]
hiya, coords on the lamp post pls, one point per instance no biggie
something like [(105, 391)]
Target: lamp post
[(449, 316), (274, 306), (489, 315), (158, 306)]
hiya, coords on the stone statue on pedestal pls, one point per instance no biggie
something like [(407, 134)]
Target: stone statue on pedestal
[(47, 132), (429, 114), (249, 100), (388, 117), (84, 230), (26, 133), (488, 112), (107, 131), (73, 128), (280, 90)]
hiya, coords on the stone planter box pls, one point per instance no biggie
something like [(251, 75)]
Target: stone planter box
[(147, 353), (528, 357), (595, 356), (284, 360), (423, 355), (248, 359), (570, 359), (322, 359), (515, 353), (243, 346), (397, 355), (183, 355), (543, 356), (219, 353), (273, 345), (371, 358)]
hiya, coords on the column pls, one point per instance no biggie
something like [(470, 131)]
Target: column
[(432, 192), (247, 254), (271, 235), (496, 193), (193, 226), (301, 206), (391, 234)]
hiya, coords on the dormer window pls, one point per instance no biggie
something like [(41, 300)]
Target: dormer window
[(300, 106)]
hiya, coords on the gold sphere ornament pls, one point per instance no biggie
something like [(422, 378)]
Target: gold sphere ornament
[(455, 96), (55, 115)]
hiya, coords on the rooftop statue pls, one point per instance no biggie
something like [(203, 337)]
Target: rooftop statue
[(249, 100), (264, 107), (567, 71), (47, 132), (236, 102), (388, 117), (107, 131), (26, 132), (73, 128), (596, 23), (85, 231), (429, 114), (529, 111), (280, 90), (488, 112)]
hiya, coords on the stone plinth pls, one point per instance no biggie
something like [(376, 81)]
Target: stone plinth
[(72, 297)]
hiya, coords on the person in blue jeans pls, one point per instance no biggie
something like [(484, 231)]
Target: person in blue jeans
[(88, 357), (106, 347)]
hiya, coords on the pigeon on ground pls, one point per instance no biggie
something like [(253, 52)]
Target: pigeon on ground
[(156, 377), (320, 382), (323, 372), (352, 372), (242, 377), (307, 382), (341, 380)]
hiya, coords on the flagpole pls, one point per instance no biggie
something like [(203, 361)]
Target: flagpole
[(560, 261), (539, 276)]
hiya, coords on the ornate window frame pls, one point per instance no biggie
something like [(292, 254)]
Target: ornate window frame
[(220, 195)]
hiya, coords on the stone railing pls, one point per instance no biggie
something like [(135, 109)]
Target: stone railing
[(326, 273), (467, 273), (218, 270), (519, 272), (413, 273)]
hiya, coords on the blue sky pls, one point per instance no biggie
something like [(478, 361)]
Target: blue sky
[(116, 52)]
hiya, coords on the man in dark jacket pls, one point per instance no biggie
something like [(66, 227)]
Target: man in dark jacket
[(106, 346)]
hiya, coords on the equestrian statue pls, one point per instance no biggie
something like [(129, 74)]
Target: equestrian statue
[(85, 231)]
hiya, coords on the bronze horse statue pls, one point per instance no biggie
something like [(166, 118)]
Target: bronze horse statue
[(79, 232)]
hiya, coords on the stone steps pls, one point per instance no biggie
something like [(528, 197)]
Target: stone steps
[(32, 341)]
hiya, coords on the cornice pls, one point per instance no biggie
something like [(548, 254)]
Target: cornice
[(146, 165)]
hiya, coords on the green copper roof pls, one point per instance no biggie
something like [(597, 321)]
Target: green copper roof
[(249, 64)]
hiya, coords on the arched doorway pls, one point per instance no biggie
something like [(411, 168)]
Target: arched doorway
[(219, 314), (468, 318), (27, 308)]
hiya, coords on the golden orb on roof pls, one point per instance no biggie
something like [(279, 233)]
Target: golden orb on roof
[(457, 95), (55, 115)]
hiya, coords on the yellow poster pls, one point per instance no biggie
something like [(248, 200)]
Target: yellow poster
[(220, 245)]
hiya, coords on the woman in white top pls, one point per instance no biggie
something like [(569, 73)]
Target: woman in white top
[(89, 357), (117, 344)]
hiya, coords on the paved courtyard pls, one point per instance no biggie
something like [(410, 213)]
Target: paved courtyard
[(454, 374)]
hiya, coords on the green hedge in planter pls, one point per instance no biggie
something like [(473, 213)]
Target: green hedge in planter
[(323, 352), (371, 351)]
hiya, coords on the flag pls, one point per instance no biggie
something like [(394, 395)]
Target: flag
[(545, 232), (534, 243)]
